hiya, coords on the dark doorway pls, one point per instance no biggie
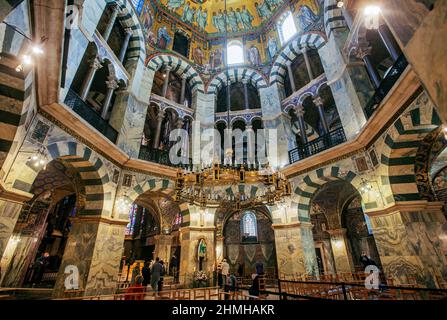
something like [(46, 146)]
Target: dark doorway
[(181, 44)]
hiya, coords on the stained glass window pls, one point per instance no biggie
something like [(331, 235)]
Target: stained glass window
[(130, 228), (249, 228)]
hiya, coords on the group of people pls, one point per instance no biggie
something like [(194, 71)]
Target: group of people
[(152, 273), (227, 280)]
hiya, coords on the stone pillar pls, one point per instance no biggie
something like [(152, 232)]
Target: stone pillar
[(308, 66), (390, 43), (166, 83), (9, 213), (411, 239), (127, 118), (112, 85), (189, 241), (182, 93), (229, 96), (160, 118), (251, 147), (95, 64), (163, 245), (246, 102), (340, 250), (319, 103), (365, 54), (125, 45), (94, 247), (299, 111), (291, 78), (351, 88), (111, 23), (295, 250)]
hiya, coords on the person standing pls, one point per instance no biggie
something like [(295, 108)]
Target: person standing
[(39, 268), (219, 275), (173, 266), (259, 268), (146, 273), (156, 271), (162, 273), (365, 260), (135, 272), (225, 271)]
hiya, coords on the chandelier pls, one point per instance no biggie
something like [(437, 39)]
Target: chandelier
[(208, 187)]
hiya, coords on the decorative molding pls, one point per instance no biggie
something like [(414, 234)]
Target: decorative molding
[(105, 220), (407, 206), (14, 196)]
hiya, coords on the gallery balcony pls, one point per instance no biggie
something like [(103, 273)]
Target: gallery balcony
[(74, 102), (386, 85), (334, 138)]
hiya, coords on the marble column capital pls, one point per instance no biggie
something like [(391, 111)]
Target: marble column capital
[(168, 69), (184, 77), (299, 110), (318, 101), (112, 83), (362, 51), (161, 114), (128, 31), (179, 124), (95, 63), (245, 81)]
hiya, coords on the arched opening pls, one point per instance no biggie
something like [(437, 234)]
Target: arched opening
[(342, 232), (170, 86), (36, 250), (302, 71), (237, 97), (153, 231), (249, 239)]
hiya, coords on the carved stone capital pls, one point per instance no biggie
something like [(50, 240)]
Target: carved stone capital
[(112, 83), (95, 63), (299, 110), (318, 101)]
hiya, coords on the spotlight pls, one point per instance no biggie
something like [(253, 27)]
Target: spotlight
[(340, 4), (37, 50), (27, 59), (372, 10)]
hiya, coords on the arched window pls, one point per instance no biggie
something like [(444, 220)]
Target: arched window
[(235, 52), (286, 27), (249, 227)]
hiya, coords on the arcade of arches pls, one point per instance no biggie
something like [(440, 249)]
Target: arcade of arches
[(89, 106)]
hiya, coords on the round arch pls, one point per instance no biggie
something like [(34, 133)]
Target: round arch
[(91, 169), (407, 135), (236, 75), (291, 51), (180, 67), (164, 186)]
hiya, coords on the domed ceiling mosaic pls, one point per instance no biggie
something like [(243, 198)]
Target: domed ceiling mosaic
[(209, 16)]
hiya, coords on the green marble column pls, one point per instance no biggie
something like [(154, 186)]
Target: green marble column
[(295, 250), (95, 248), (412, 242)]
